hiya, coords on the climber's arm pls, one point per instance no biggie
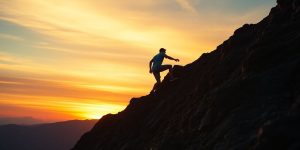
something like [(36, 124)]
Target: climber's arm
[(171, 58)]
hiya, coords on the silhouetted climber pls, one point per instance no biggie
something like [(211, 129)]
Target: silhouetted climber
[(156, 67)]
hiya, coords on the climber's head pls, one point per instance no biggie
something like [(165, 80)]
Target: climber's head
[(162, 50)]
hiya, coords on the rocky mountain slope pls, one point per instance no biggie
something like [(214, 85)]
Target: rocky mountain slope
[(243, 95), (48, 136)]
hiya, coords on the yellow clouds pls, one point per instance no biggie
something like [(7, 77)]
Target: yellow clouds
[(58, 98), (56, 108), (70, 22), (38, 87), (47, 93), (102, 24)]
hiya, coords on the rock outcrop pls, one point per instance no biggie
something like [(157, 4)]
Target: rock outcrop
[(243, 95)]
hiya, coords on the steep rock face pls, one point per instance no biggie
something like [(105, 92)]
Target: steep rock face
[(243, 95)]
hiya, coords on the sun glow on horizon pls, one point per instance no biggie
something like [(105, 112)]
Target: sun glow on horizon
[(92, 111)]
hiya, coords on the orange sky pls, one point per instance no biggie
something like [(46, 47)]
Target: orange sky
[(63, 60)]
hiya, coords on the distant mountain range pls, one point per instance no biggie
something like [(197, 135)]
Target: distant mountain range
[(245, 95), (20, 120), (50, 136)]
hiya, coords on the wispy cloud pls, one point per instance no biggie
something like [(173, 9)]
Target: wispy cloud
[(10, 60), (10, 37), (185, 4)]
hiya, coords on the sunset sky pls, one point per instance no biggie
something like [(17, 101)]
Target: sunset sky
[(82, 59)]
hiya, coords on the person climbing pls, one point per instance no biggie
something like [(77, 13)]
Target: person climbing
[(156, 67)]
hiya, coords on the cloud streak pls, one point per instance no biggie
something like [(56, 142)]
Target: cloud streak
[(185, 4), (11, 37)]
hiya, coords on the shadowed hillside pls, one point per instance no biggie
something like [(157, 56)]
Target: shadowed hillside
[(243, 95), (50, 136)]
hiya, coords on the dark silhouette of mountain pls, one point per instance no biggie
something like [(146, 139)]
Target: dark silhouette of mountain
[(244, 95), (19, 120), (51, 136)]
